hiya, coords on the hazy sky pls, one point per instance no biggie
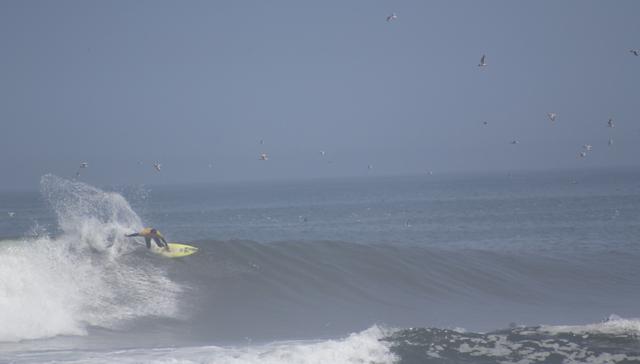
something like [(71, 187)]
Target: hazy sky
[(188, 83)]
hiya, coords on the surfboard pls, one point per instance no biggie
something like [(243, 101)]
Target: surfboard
[(176, 250)]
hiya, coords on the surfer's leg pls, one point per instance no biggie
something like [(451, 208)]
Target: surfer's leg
[(158, 242), (162, 243), (148, 242), (166, 245)]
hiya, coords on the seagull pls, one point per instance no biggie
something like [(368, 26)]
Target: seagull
[(430, 173), (82, 166), (485, 122), (583, 154), (551, 116), (610, 123), (261, 141), (392, 17), (515, 142), (157, 166), (264, 157), (370, 166), (322, 153), (587, 147), (636, 52), (483, 63), (610, 141), (11, 214)]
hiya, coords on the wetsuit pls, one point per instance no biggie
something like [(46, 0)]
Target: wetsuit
[(148, 234)]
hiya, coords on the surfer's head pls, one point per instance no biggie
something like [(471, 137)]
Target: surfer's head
[(154, 231)]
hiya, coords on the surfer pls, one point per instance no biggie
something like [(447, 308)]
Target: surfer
[(151, 233)]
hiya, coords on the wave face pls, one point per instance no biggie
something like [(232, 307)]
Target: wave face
[(314, 289), (84, 276)]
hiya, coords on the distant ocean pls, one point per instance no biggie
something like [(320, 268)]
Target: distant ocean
[(537, 267)]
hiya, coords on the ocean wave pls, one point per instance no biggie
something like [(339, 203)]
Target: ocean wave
[(88, 274), (318, 288)]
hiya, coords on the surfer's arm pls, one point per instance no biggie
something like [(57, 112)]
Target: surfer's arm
[(131, 235)]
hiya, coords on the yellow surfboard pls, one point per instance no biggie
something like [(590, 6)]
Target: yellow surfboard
[(176, 250)]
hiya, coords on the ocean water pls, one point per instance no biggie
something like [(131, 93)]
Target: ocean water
[(537, 267)]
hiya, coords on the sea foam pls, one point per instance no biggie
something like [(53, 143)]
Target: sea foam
[(363, 347)]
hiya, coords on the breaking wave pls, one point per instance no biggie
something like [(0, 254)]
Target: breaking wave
[(84, 275)]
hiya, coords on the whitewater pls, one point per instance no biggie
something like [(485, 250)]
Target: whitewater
[(480, 269), (83, 276)]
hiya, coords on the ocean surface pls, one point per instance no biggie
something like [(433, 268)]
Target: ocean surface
[(535, 267)]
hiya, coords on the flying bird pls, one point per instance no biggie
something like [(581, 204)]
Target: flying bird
[(485, 123), (158, 166), (636, 52), (515, 142), (483, 62), (610, 141), (82, 166), (583, 154), (370, 166), (587, 147), (610, 123), (322, 153), (11, 214), (392, 17), (264, 157), (551, 116)]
